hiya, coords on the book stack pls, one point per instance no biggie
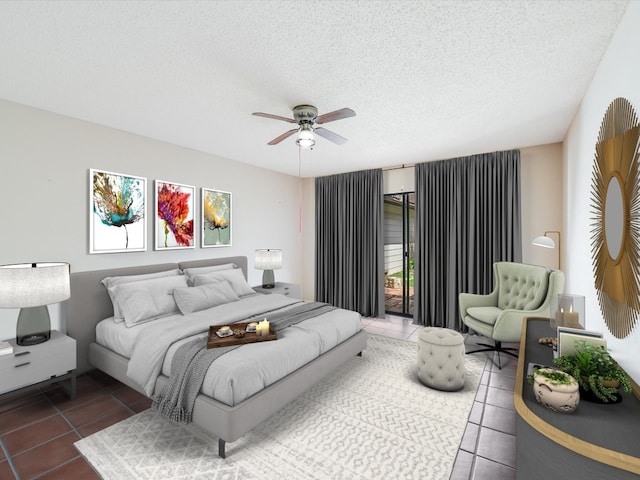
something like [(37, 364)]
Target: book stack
[(5, 348)]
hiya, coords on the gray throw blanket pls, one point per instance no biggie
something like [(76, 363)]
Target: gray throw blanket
[(188, 369), (297, 314), (192, 360)]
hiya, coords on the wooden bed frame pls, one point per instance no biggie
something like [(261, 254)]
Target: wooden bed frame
[(90, 303)]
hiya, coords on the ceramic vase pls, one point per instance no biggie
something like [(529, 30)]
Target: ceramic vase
[(558, 397)]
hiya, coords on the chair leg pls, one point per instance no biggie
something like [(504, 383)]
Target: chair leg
[(497, 348)]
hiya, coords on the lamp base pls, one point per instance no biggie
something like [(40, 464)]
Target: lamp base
[(33, 339), (268, 279), (34, 326)]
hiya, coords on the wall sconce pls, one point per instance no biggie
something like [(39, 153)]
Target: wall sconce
[(547, 242), (31, 287), (268, 260)]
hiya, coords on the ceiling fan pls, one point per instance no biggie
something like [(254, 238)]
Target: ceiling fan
[(306, 116)]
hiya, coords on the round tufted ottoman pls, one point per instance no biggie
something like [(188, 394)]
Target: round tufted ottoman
[(441, 358)]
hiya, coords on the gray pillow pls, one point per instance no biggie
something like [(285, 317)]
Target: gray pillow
[(147, 299), (235, 277), (109, 282), (192, 272), (194, 299)]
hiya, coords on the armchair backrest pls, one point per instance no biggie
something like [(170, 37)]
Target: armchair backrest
[(520, 286)]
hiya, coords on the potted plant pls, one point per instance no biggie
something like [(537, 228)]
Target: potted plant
[(595, 370)]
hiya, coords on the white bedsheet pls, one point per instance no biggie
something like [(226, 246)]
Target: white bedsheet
[(244, 371)]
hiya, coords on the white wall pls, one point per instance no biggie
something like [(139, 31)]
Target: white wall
[(618, 75), (45, 196)]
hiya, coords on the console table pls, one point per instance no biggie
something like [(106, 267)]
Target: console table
[(596, 441)]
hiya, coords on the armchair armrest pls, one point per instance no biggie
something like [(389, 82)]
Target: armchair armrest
[(508, 327), (468, 300)]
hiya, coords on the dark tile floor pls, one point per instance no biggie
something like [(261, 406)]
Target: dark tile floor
[(38, 428)]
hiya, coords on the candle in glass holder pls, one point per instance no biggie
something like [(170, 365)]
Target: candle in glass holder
[(570, 319)]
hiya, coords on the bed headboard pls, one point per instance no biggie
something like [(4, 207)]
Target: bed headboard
[(90, 303)]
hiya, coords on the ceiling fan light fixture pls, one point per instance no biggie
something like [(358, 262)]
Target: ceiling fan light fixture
[(305, 137)]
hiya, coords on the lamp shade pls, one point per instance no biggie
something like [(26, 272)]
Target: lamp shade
[(544, 241), (268, 259), (33, 284)]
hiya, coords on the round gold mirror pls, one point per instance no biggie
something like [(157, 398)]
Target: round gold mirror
[(615, 229)]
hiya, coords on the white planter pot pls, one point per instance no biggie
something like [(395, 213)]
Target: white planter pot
[(558, 397)]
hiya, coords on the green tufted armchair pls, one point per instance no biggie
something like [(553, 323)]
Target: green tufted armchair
[(520, 291)]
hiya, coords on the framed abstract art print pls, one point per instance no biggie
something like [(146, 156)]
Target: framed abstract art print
[(117, 213), (216, 218), (174, 222)]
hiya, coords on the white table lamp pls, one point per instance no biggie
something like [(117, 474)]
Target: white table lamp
[(268, 259), (31, 287)]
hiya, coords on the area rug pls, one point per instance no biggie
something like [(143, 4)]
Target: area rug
[(370, 419)]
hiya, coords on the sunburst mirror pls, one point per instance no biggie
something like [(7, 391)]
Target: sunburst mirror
[(615, 233)]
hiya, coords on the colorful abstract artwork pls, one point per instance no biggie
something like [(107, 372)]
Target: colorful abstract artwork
[(117, 220), (216, 218), (174, 216)]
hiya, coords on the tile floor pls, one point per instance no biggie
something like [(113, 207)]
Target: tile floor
[(38, 428)]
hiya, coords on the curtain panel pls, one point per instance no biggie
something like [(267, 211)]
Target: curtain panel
[(467, 218), (349, 259)]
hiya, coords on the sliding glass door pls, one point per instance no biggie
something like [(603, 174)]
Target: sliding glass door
[(399, 221)]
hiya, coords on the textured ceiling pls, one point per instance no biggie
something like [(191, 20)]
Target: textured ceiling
[(428, 79)]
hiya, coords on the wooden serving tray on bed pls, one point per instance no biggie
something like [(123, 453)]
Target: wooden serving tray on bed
[(214, 341)]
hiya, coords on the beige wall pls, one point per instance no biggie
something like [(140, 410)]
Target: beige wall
[(541, 199), (618, 75)]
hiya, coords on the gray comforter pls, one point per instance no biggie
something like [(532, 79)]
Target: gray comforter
[(192, 361)]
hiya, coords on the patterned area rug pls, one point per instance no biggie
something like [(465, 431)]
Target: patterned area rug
[(371, 419)]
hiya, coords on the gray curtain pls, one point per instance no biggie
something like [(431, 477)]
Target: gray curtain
[(467, 218), (349, 252)]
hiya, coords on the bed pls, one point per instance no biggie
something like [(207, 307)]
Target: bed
[(225, 407)]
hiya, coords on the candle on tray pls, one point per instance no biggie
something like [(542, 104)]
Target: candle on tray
[(262, 330)]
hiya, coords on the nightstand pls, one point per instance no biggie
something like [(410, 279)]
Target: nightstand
[(33, 366), (288, 289)]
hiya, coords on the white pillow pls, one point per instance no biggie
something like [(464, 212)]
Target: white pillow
[(235, 277), (194, 299), (109, 282), (147, 299), (192, 272)]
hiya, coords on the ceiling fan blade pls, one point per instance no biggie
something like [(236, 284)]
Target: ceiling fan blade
[(277, 140), (335, 115), (329, 135), (275, 117)]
